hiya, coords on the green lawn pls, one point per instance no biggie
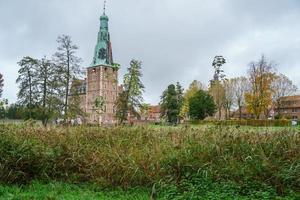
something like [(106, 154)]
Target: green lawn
[(196, 190), (60, 191)]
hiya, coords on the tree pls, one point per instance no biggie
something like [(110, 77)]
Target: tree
[(228, 85), (28, 83), (1, 84), (217, 91), (259, 98), (241, 86), (145, 109), (194, 87), (14, 111), (282, 86), (47, 87), (75, 99), (3, 108), (170, 106), (216, 86), (180, 99), (68, 65), (130, 99), (99, 106), (201, 105)]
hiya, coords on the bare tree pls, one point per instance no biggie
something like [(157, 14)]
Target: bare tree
[(229, 92), (68, 65), (241, 86), (282, 86)]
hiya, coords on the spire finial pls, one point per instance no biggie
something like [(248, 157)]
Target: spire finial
[(104, 7)]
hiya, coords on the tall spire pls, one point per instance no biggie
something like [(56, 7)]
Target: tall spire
[(104, 7), (103, 49)]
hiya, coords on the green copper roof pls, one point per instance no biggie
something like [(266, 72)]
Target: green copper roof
[(103, 50)]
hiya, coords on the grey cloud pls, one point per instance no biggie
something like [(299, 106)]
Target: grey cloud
[(175, 39)]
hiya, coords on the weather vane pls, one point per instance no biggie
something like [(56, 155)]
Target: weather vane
[(104, 7)]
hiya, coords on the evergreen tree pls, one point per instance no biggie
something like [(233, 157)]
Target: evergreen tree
[(170, 104), (180, 99), (201, 105), (68, 65), (14, 111), (28, 93), (130, 99)]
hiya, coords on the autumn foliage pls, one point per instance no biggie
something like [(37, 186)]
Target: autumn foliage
[(259, 97)]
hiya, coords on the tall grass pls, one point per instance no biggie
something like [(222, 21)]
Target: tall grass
[(141, 156)]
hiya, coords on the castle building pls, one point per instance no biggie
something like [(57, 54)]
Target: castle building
[(289, 107), (101, 80)]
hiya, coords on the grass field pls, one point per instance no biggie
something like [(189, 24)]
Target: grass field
[(185, 162), (60, 191), (203, 190)]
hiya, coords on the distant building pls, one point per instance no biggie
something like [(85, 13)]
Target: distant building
[(289, 107), (244, 113), (154, 114)]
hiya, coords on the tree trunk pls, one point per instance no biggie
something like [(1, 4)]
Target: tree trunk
[(30, 95), (44, 102), (125, 113), (67, 86)]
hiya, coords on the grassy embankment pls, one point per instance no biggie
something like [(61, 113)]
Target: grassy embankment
[(212, 162)]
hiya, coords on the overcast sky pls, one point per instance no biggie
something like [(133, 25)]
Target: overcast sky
[(175, 39)]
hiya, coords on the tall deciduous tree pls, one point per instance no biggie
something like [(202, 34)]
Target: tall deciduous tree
[(47, 83), (130, 99), (216, 86), (282, 86), (68, 65), (201, 105), (76, 98), (228, 85), (1, 84), (241, 86), (259, 98), (217, 91), (28, 93)]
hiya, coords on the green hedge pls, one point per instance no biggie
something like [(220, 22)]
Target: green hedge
[(249, 122)]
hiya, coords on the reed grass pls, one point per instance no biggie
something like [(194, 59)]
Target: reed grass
[(141, 156)]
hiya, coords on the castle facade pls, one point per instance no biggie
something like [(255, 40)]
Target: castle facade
[(101, 82)]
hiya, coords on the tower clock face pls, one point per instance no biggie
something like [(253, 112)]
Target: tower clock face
[(102, 54)]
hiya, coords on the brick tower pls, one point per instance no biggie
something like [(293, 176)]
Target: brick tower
[(102, 79)]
